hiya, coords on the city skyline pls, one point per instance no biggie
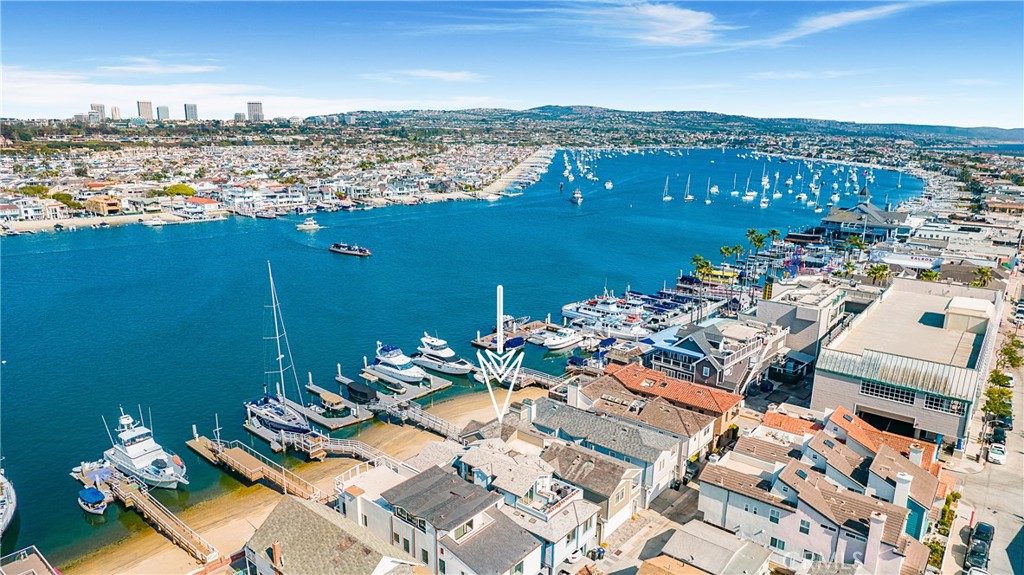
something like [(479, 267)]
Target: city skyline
[(863, 62)]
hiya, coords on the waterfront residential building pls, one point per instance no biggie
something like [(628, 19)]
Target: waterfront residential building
[(613, 485), (913, 362), (27, 561), (301, 536), (191, 113), (145, 110), (103, 205), (715, 551), (803, 518), (255, 111), (115, 113), (10, 211), (449, 524), (99, 109), (163, 113), (725, 353), (656, 454)]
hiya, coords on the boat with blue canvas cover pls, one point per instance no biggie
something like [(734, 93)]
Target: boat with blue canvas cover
[(92, 500)]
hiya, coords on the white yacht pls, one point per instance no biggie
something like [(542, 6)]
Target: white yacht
[(608, 185), (137, 454), (392, 362), (563, 339), (153, 222), (435, 354), (577, 197), (309, 225), (8, 501)]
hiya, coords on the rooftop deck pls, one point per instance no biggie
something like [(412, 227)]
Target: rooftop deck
[(920, 334)]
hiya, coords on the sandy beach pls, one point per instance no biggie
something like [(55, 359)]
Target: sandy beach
[(68, 223), (228, 521)]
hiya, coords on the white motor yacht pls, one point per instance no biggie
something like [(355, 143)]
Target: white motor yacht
[(392, 362), (563, 339), (435, 354), (309, 225), (137, 454), (8, 501)]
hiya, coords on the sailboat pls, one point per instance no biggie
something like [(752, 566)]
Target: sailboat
[(764, 198), (664, 195), (734, 191), (707, 198), (899, 181), (274, 411), (687, 196)]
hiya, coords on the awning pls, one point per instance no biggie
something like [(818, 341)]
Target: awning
[(331, 398), (800, 357), (91, 496)]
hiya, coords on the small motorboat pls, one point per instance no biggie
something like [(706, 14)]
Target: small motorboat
[(92, 500), (350, 250), (309, 225)]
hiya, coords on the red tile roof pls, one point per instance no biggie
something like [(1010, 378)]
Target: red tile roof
[(646, 381), (196, 200), (790, 424), (872, 438)]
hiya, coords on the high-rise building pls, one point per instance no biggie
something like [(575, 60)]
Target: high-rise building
[(115, 113), (255, 111), (163, 113), (239, 116), (95, 117), (99, 108), (146, 110), (191, 112)]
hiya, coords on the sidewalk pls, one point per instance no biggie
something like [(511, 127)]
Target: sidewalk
[(959, 533)]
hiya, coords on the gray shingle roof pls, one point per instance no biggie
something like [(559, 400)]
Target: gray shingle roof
[(617, 436), (559, 525), (586, 468), (715, 550), (317, 540), (765, 450), (513, 472), (498, 547), (442, 498)]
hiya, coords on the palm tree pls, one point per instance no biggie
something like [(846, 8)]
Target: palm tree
[(879, 272), (774, 234), (983, 276), (848, 268), (760, 241), (737, 250), (928, 275), (701, 266), (726, 251), (751, 234)]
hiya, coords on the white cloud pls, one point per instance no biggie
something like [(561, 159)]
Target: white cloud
[(151, 66), (803, 74), (647, 23), (28, 93), (974, 82), (824, 22), (403, 76)]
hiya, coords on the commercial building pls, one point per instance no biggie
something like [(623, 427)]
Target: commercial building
[(145, 110), (913, 361), (115, 113), (255, 111), (191, 112), (163, 113), (99, 109), (239, 116)]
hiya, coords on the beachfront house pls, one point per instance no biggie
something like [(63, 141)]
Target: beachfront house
[(300, 537)]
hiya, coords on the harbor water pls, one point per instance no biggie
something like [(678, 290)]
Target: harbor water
[(173, 318)]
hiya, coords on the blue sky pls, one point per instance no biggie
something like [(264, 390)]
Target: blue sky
[(916, 62)]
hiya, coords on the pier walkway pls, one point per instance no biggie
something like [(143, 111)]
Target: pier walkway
[(135, 495), (252, 465), (414, 412)]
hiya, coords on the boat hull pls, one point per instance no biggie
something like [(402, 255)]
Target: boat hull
[(170, 482), (460, 367), (98, 510)]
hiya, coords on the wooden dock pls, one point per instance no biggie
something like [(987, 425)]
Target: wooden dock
[(409, 411), (135, 495), (486, 341), (252, 465)]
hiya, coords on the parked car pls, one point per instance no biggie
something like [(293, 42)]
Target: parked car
[(998, 435), (997, 453), (977, 555), (1005, 422), (977, 571), (984, 532)]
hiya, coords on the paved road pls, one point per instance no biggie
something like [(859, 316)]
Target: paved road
[(997, 492)]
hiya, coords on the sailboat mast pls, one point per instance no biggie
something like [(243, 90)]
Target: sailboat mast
[(277, 332), (280, 333)]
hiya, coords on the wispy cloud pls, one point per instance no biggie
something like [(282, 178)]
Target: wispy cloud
[(707, 86), (643, 22), (831, 21), (404, 76), (803, 74), (152, 66), (974, 82)]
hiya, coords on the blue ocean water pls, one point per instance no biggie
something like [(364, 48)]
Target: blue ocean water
[(173, 318)]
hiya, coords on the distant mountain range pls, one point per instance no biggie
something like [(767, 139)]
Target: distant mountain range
[(595, 117)]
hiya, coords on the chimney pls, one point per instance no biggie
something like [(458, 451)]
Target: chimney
[(531, 409), (916, 454), (276, 556), (902, 495), (874, 546)]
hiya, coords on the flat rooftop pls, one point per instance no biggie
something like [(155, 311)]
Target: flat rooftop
[(910, 325)]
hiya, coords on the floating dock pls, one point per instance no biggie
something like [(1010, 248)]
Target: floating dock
[(527, 329), (252, 465), (135, 495)]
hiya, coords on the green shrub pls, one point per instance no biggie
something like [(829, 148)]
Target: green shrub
[(937, 551)]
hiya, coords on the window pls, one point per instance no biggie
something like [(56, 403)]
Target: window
[(405, 544), (706, 372), (440, 566), (518, 569), (812, 556), (886, 391), (424, 556), (746, 507), (805, 527), (773, 515), (462, 530), (778, 544), (344, 508), (620, 495), (571, 537), (588, 524), (785, 489), (828, 528), (830, 444), (396, 537), (854, 536), (365, 523), (944, 404)]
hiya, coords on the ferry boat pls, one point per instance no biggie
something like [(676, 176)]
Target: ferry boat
[(602, 306), (577, 197), (435, 354), (137, 454), (92, 500), (273, 411), (309, 225), (8, 501), (563, 339), (350, 250), (392, 362)]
